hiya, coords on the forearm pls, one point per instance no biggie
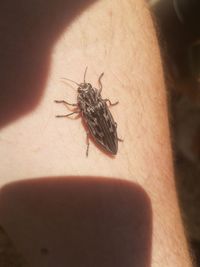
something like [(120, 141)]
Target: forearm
[(120, 40)]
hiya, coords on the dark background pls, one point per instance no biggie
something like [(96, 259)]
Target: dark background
[(178, 28)]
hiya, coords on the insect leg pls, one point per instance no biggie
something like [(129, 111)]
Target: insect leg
[(67, 115), (119, 139), (88, 144), (111, 104), (65, 102), (85, 74), (100, 84)]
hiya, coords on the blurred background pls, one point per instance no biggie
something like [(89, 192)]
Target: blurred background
[(178, 28)]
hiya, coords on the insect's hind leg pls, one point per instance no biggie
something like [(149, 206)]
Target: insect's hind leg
[(110, 103), (119, 139), (88, 144)]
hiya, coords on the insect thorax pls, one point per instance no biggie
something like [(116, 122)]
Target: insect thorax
[(88, 97)]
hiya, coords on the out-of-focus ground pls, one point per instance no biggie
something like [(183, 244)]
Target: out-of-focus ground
[(177, 23), (181, 60)]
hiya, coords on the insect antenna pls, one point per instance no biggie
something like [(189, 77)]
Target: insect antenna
[(85, 74), (70, 81)]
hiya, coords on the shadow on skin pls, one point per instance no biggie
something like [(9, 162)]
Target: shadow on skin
[(78, 221), (29, 30)]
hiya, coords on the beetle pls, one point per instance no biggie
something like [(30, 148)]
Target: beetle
[(96, 115)]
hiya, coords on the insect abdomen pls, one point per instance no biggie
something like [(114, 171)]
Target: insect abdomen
[(102, 126)]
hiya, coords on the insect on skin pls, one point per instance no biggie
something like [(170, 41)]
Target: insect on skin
[(96, 115)]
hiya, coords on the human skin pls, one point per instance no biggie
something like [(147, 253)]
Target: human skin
[(118, 39)]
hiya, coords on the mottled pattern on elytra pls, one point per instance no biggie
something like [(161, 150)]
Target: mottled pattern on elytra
[(98, 118)]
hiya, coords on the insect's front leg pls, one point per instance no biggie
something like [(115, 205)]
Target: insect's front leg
[(67, 115), (111, 104), (65, 103)]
